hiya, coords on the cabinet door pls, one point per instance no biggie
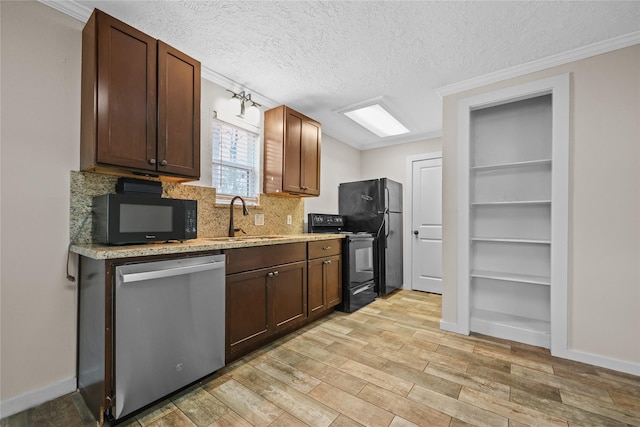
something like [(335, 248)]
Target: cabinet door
[(292, 162), (247, 315), (333, 280), (288, 287), (126, 95), (310, 167), (315, 286), (178, 112)]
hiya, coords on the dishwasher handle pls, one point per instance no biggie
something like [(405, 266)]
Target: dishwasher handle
[(170, 272)]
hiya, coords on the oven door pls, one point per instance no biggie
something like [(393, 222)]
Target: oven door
[(360, 260), (361, 295)]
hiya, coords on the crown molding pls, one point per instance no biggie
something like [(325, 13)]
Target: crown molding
[(598, 48), (71, 8)]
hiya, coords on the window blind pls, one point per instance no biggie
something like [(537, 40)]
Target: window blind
[(236, 159)]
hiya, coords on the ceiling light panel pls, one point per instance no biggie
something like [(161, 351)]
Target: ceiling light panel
[(377, 120)]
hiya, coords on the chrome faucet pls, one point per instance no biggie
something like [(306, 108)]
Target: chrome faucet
[(245, 212)]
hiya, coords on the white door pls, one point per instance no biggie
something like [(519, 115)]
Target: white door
[(426, 227)]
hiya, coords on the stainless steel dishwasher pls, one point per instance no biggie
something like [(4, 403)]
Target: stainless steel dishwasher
[(169, 327)]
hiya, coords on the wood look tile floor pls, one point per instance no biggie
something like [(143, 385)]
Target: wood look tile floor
[(388, 364)]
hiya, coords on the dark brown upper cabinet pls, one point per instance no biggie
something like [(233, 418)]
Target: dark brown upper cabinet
[(292, 144), (140, 107)]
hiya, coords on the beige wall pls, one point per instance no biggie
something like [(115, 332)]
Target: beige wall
[(40, 145), (604, 203)]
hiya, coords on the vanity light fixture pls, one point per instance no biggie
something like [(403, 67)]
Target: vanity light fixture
[(241, 98), (377, 119)]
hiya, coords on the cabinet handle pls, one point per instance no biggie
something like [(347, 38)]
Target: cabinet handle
[(273, 273), (304, 188), (163, 163), (327, 262), (152, 161), (326, 248)]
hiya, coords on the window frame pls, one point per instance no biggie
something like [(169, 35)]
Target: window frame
[(222, 198)]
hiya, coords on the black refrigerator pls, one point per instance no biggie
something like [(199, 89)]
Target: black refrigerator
[(375, 206)]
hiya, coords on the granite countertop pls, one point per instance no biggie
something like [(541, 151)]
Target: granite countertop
[(97, 251)]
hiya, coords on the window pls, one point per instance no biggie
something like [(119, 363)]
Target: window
[(236, 158)]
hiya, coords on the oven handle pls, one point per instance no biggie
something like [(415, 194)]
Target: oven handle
[(364, 288), (178, 271)]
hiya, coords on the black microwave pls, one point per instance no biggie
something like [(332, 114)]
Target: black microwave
[(120, 219)]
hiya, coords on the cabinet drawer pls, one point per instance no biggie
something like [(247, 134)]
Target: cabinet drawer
[(324, 248), (246, 259)]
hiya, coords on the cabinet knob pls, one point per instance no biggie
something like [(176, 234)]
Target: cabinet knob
[(415, 232), (326, 248), (152, 161), (163, 163), (327, 261)]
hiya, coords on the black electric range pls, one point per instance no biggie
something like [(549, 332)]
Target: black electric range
[(358, 272)]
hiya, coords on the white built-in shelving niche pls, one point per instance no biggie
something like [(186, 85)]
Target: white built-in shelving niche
[(512, 223)]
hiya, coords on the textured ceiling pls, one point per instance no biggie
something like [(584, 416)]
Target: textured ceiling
[(321, 56)]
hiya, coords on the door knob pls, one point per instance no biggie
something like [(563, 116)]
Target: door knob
[(415, 232)]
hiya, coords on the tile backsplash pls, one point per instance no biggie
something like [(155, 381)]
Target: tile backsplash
[(213, 219)]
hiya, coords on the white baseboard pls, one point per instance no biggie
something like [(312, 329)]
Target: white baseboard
[(577, 356), (601, 361), (448, 326), (33, 398)]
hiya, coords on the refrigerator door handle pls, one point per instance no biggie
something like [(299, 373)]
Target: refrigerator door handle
[(386, 212)]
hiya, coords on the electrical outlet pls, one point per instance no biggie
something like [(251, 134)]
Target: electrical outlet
[(289, 220), (258, 219)]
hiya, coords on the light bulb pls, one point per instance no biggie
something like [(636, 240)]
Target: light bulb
[(234, 106), (252, 115)]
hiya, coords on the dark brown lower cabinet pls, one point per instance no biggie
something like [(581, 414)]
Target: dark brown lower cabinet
[(273, 290), (266, 295), (325, 283), (324, 275), (247, 316), (288, 287)]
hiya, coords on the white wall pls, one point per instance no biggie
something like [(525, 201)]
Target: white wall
[(339, 163), (40, 145), (604, 206), (390, 162)]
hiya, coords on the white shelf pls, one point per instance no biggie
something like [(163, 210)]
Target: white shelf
[(512, 203), (512, 277), (523, 329), (510, 240), (512, 165)]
